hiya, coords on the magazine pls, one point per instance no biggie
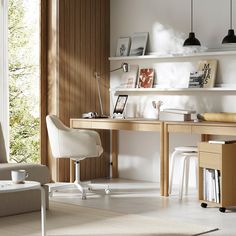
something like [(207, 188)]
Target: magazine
[(196, 79), (146, 77), (208, 67)]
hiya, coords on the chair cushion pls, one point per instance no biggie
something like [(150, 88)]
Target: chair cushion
[(37, 172)]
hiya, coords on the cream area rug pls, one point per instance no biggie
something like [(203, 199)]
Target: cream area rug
[(73, 220)]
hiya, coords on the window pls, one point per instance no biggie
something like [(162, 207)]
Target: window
[(23, 63)]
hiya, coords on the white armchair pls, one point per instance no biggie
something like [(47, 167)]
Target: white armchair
[(75, 144)]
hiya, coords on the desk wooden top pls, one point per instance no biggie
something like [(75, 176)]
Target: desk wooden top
[(204, 127), (117, 124)]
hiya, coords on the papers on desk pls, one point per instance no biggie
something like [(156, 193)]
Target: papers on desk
[(172, 114), (221, 141), (178, 111)]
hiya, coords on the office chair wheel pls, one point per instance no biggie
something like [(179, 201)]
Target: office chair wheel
[(84, 197), (107, 190), (203, 205), (222, 209)]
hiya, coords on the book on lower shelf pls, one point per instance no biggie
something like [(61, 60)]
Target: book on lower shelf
[(211, 185), (129, 79)]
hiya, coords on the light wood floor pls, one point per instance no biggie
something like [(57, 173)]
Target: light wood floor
[(143, 198)]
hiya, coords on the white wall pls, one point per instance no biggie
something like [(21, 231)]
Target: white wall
[(168, 24)]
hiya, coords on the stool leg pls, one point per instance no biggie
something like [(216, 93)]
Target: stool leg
[(182, 179), (196, 171), (187, 175), (173, 156)]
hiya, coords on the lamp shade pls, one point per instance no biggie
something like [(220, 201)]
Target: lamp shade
[(191, 40), (229, 38)]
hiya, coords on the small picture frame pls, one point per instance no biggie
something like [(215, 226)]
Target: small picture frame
[(123, 46), (138, 44), (146, 78), (120, 106)]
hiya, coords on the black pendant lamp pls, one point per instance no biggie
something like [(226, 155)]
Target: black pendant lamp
[(230, 37), (191, 40)]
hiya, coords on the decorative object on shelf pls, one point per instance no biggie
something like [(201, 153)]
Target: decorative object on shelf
[(120, 106), (125, 68), (146, 77), (209, 68), (230, 37), (123, 46), (196, 79), (129, 79), (138, 44), (157, 106), (191, 40)]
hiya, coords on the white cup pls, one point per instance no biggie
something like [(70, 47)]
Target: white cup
[(18, 176)]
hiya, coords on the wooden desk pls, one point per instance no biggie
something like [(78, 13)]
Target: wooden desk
[(114, 125), (203, 128)]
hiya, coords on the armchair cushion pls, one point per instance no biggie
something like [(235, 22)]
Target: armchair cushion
[(37, 172), (3, 154)]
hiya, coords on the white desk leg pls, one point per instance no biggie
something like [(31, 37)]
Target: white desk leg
[(43, 211)]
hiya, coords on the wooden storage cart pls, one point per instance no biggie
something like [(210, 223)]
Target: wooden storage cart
[(221, 157)]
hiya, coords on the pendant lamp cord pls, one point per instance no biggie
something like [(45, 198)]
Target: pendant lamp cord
[(231, 15), (192, 15)]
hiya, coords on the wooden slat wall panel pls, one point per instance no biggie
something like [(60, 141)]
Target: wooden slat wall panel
[(83, 48), (43, 82), (51, 79)]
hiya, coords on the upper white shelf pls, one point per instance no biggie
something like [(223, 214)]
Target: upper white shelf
[(173, 91), (176, 56)]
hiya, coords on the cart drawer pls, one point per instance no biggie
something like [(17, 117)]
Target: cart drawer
[(210, 160)]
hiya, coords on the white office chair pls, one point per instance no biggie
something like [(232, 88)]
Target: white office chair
[(186, 153), (75, 144)]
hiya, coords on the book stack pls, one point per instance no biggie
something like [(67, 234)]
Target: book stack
[(211, 185), (172, 114)]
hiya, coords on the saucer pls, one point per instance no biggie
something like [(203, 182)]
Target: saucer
[(18, 182)]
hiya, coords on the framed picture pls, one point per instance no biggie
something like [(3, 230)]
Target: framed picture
[(123, 46), (138, 44), (146, 77), (120, 104)]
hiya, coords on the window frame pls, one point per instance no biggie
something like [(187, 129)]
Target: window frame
[(4, 86)]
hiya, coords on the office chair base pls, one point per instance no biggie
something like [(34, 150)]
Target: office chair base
[(59, 186)]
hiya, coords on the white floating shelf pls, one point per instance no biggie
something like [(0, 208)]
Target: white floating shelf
[(171, 91), (175, 56)]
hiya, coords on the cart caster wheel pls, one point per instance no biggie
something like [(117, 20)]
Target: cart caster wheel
[(203, 205), (222, 209)]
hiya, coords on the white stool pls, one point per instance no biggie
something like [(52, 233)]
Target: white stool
[(186, 153)]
